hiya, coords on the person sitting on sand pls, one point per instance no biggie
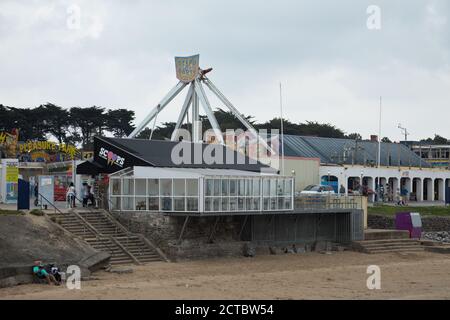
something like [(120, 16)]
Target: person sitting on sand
[(41, 273)]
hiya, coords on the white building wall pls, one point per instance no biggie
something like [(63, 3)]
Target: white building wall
[(426, 175)]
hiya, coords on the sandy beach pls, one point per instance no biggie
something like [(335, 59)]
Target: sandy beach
[(340, 275)]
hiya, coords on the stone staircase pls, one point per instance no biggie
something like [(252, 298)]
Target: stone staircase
[(103, 224), (138, 247), (388, 245), (118, 256), (104, 233)]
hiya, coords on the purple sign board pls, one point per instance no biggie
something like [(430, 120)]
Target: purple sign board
[(410, 221)]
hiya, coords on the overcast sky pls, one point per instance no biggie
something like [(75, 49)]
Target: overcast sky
[(332, 67)]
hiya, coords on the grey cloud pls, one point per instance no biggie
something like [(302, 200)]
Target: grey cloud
[(322, 51)]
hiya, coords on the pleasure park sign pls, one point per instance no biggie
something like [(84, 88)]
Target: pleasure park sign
[(187, 68)]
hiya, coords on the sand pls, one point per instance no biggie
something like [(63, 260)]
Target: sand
[(340, 275)]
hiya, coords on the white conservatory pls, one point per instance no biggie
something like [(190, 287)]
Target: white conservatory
[(157, 189)]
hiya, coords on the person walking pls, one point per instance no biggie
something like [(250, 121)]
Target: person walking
[(405, 195), (71, 194), (398, 197), (91, 196), (342, 190), (85, 194)]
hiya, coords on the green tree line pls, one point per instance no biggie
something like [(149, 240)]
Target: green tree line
[(78, 125), (75, 125)]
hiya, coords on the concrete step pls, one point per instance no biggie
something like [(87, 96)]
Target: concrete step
[(394, 246), (393, 243), (378, 234), (388, 245), (68, 219), (398, 249), (121, 261), (147, 259), (138, 254)]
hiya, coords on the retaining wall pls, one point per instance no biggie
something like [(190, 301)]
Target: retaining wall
[(164, 232), (429, 223)]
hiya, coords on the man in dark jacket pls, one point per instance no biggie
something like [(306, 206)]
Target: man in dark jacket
[(36, 194)]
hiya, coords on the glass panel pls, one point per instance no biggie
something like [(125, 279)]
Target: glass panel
[(192, 204), (241, 188), (166, 187), (192, 187), (256, 204), (153, 187), (281, 203), (179, 204), (128, 203), (116, 187), (128, 187), (248, 187), (179, 187), (115, 203), (140, 203), (288, 203), (248, 204), (141, 187), (256, 187), (166, 204), (153, 204), (209, 187), (288, 187), (280, 187), (233, 204), (273, 203), (273, 187), (266, 185), (224, 187), (266, 202), (216, 204), (233, 187), (217, 187), (241, 204), (208, 204), (225, 204)]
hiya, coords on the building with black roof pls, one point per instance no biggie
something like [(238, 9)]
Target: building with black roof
[(114, 154)]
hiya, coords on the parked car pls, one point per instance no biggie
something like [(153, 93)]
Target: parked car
[(318, 189)]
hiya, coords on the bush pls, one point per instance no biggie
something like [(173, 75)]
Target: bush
[(37, 212)]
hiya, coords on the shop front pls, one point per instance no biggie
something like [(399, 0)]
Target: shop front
[(9, 179)]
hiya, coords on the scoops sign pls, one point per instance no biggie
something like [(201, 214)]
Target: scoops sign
[(111, 157)]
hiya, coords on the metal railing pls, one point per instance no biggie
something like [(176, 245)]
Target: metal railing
[(327, 202), (49, 202), (93, 210)]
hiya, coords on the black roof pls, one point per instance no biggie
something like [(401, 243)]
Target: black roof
[(158, 153)]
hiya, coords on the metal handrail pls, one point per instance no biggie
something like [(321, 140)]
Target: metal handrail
[(56, 209), (115, 225), (100, 200), (327, 202)]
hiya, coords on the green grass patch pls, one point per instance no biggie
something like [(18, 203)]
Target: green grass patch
[(11, 213), (424, 211)]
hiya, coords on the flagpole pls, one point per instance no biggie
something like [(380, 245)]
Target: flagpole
[(282, 132), (379, 154)]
